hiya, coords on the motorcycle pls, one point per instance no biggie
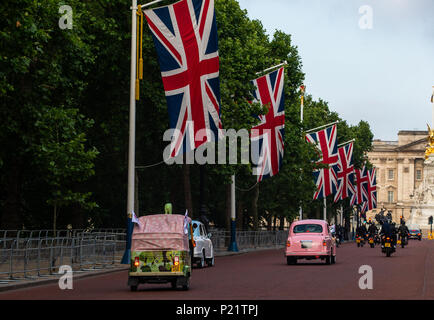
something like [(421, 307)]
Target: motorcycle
[(377, 239), (337, 241), (387, 247), (371, 241), (360, 241), (403, 241)]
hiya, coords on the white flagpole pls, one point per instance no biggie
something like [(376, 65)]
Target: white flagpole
[(303, 88), (271, 68), (342, 144), (132, 133), (320, 127), (325, 209)]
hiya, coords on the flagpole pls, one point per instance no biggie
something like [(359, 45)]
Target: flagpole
[(132, 135), (325, 208), (271, 68), (233, 244), (342, 144), (303, 88), (326, 125)]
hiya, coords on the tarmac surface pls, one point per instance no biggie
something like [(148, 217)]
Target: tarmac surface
[(264, 275)]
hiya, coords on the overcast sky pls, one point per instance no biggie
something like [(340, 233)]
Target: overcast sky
[(383, 75)]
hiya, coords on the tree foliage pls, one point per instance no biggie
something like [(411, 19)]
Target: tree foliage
[(64, 102)]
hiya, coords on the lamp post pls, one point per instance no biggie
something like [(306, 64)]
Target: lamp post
[(302, 89)]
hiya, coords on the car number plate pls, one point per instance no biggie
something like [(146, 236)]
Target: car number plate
[(387, 245), (306, 244)]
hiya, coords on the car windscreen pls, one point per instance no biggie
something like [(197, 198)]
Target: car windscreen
[(196, 230), (307, 228), (414, 231)]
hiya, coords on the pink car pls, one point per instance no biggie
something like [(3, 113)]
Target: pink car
[(310, 239)]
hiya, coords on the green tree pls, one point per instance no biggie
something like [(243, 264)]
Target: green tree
[(62, 156)]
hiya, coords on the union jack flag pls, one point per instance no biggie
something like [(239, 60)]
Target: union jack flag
[(325, 178), (345, 173), (267, 137), (370, 189), (361, 180), (185, 38), (363, 209)]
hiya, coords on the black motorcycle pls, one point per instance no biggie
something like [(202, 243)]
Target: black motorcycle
[(360, 241), (387, 246), (404, 240), (371, 240), (377, 239)]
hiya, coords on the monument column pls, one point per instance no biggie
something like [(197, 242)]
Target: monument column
[(432, 102)]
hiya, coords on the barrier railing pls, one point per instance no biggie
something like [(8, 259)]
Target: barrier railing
[(33, 258), (35, 254), (249, 239)]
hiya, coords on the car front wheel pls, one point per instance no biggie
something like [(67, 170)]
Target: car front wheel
[(211, 262), (202, 260)]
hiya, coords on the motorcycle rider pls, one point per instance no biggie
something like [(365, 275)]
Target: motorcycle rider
[(372, 230), (388, 230), (403, 231), (361, 231)]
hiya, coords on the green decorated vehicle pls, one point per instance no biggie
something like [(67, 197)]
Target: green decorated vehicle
[(161, 251)]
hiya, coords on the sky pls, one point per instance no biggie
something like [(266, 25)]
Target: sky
[(383, 75)]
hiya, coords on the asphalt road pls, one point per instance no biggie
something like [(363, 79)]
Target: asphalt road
[(264, 275)]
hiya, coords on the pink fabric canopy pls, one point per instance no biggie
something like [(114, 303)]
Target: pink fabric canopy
[(160, 232)]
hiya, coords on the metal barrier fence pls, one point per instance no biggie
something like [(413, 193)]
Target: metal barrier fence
[(249, 239), (35, 254), (33, 258)]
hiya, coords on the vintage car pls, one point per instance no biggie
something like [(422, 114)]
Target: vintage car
[(161, 251), (203, 251), (310, 239)]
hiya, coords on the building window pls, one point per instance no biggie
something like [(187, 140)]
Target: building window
[(390, 196), (418, 174), (391, 174)]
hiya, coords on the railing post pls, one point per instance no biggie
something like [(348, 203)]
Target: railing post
[(39, 258), (11, 257)]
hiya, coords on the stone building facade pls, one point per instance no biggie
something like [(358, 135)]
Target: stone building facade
[(400, 170)]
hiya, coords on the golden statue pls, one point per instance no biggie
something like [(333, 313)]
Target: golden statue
[(430, 149)]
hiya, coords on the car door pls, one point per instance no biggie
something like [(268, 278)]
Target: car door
[(207, 242)]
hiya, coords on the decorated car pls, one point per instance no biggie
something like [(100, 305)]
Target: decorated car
[(310, 239), (161, 251)]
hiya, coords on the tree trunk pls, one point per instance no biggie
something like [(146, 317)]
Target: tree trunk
[(54, 219), (11, 218), (281, 222), (240, 218), (228, 207), (318, 212), (255, 208), (187, 189)]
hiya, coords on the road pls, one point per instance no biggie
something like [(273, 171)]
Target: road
[(264, 275)]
